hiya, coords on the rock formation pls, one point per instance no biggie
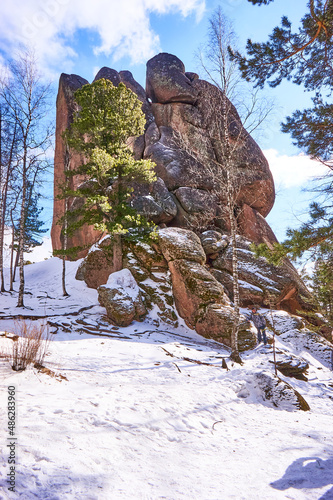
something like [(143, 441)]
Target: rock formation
[(181, 143), (177, 279), (186, 274), (279, 393), (178, 139), (122, 298)]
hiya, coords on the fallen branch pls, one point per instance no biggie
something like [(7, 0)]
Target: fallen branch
[(177, 367), (42, 369), (35, 317), (218, 422), (197, 362)]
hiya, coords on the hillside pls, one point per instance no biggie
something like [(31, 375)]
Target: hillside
[(147, 412)]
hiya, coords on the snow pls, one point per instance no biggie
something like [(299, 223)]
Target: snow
[(124, 280), (137, 417), (97, 246), (249, 286)]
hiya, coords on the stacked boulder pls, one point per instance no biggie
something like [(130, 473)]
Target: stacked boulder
[(184, 274), (178, 113), (179, 276)]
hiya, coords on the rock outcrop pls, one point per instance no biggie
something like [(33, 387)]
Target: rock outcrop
[(179, 140), (279, 394), (186, 274), (199, 298), (291, 366), (261, 282), (181, 143), (309, 341), (122, 298), (97, 266), (178, 279), (66, 108)]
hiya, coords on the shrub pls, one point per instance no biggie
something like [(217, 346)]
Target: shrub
[(31, 346)]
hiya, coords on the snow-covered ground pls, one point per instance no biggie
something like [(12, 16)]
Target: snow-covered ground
[(133, 419)]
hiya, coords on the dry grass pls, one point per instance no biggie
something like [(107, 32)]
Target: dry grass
[(31, 345)]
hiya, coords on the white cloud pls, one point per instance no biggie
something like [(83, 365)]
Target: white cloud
[(293, 171), (123, 26)]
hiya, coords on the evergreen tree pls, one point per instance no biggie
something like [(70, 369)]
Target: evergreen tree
[(322, 282), (303, 56), (108, 116), (33, 223)]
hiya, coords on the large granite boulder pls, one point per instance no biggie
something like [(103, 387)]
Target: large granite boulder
[(155, 202), (199, 298), (122, 298), (260, 282), (179, 244), (167, 81), (179, 140), (97, 266), (182, 115)]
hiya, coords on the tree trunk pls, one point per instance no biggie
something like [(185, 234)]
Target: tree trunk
[(231, 204), (65, 244), (4, 205), (233, 228), (2, 221), (64, 291), (271, 302), (20, 300), (16, 263), (2, 232), (117, 253), (12, 278)]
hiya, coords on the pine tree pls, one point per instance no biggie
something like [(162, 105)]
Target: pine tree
[(33, 222), (108, 116), (322, 282), (303, 56), (33, 225)]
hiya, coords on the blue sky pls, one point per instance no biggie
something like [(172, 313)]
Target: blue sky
[(80, 36)]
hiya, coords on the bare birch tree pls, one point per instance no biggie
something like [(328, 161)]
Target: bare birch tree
[(65, 224), (8, 149), (221, 71), (226, 186), (225, 134), (213, 58), (27, 99)]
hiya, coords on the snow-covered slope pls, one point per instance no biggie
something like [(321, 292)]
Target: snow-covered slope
[(149, 413)]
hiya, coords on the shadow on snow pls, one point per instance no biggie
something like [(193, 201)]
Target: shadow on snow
[(306, 473)]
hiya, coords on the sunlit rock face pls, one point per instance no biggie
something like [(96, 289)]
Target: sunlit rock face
[(182, 142), (178, 139)]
